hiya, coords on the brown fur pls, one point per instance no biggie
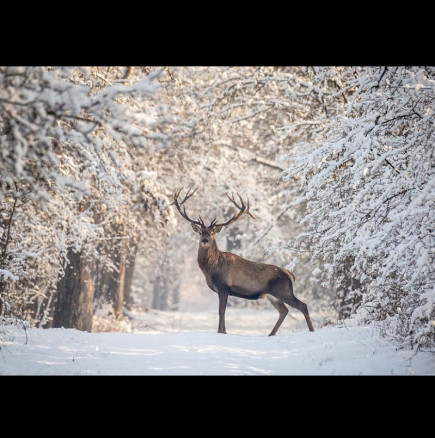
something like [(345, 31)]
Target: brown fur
[(228, 274), (292, 276)]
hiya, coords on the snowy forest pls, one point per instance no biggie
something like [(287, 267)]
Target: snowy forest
[(338, 165)]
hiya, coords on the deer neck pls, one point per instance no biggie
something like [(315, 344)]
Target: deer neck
[(208, 257)]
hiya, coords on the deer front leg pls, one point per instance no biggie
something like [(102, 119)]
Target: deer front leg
[(223, 298)]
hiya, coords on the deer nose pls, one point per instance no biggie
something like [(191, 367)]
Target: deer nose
[(204, 240)]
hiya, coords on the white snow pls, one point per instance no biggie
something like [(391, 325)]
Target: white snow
[(316, 272), (8, 274), (162, 345)]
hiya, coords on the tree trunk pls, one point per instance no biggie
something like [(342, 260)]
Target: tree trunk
[(129, 270), (349, 292), (102, 281), (160, 293), (75, 294), (2, 288), (115, 286), (118, 279)]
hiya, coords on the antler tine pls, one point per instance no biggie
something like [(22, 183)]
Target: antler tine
[(175, 196), (200, 220), (188, 194), (243, 208), (213, 222), (179, 204), (242, 205), (231, 198), (248, 212), (242, 201)]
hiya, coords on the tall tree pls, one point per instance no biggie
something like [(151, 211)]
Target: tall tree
[(75, 293), (68, 136), (370, 199)]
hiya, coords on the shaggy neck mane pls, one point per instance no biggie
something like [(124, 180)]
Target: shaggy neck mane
[(208, 257)]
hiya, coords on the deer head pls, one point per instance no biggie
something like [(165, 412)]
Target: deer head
[(208, 233)]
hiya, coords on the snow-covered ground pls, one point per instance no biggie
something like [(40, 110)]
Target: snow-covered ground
[(187, 343)]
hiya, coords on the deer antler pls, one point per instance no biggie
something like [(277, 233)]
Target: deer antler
[(243, 209), (183, 213)]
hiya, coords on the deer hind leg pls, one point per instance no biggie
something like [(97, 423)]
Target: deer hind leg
[(298, 304), (283, 291), (282, 309)]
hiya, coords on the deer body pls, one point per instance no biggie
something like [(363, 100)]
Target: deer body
[(227, 274), (240, 277)]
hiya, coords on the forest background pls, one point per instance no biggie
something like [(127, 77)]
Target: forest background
[(338, 164)]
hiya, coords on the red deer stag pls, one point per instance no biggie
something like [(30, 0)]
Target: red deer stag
[(228, 274)]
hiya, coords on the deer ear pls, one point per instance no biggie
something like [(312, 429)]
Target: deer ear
[(217, 229), (196, 228)]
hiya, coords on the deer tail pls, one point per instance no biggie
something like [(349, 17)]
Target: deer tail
[(290, 274)]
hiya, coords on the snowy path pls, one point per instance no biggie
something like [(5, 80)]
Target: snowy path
[(329, 350)]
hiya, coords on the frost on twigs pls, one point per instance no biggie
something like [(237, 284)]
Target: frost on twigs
[(316, 272), (90, 158), (369, 189), (73, 148)]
